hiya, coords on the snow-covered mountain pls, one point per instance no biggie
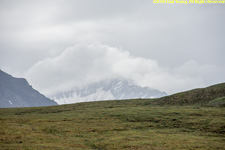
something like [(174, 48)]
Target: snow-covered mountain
[(115, 89)]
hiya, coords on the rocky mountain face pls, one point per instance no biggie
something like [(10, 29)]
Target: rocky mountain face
[(115, 89), (16, 92)]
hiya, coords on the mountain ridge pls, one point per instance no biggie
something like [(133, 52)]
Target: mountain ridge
[(115, 89), (16, 92)]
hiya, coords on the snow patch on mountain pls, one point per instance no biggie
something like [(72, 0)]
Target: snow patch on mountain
[(76, 97), (115, 89), (10, 102)]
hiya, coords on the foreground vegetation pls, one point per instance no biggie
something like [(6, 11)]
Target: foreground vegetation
[(131, 124)]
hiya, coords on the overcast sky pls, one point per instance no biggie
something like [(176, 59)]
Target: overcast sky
[(60, 44)]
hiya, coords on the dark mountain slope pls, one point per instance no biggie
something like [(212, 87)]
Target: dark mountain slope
[(16, 92), (196, 96)]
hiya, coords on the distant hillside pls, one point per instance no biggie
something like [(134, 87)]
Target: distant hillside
[(207, 95), (116, 89), (16, 92)]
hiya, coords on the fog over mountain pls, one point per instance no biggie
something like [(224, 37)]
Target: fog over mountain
[(115, 89), (59, 45), (16, 92)]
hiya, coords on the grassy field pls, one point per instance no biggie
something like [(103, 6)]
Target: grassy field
[(127, 124)]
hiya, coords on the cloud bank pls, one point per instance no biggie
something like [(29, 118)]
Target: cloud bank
[(84, 64), (168, 47), (34, 30)]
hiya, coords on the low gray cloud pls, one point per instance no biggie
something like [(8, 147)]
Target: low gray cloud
[(184, 42), (84, 64)]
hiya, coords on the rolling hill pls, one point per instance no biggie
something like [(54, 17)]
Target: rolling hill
[(201, 96)]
